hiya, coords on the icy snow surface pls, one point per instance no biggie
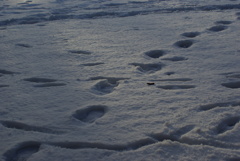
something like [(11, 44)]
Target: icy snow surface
[(119, 80)]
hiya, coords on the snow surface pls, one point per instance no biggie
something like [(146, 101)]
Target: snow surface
[(119, 80)]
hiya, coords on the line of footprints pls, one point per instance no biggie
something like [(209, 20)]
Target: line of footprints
[(90, 114), (106, 85)]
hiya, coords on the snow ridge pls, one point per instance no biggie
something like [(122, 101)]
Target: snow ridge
[(42, 17)]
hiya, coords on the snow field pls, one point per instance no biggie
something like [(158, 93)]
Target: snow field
[(148, 87)]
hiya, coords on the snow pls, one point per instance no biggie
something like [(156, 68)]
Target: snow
[(119, 80)]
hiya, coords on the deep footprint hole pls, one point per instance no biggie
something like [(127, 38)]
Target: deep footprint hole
[(218, 28), (83, 52), (191, 34), (176, 58), (155, 53), (184, 43)]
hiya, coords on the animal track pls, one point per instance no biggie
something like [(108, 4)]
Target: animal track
[(155, 53), (80, 52), (22, 151), (148, 68), (223, 22), (90, 114), (227, 124), (214, 105), (50, 85), (39, 80), (232, 85), (176, 87), (184, 43), (218, 28), (25, 127), (175, 58), (191, 34)]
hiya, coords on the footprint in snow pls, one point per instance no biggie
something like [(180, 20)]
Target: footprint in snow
[(45, 82), (173, 80), (184, 43), (7, 72), (233, 85), (191, 34), (148, 68), (223, 22), (90, 114), (92, 64), (217, 28), (176, 87), (155, 53), (39, 80), (23, 151), (175, 58), (3, 85), (24, 45), (106, 85), (227, 124), (83, 52)]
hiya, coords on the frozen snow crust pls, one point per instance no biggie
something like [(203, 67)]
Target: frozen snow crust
[(119, 80)]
